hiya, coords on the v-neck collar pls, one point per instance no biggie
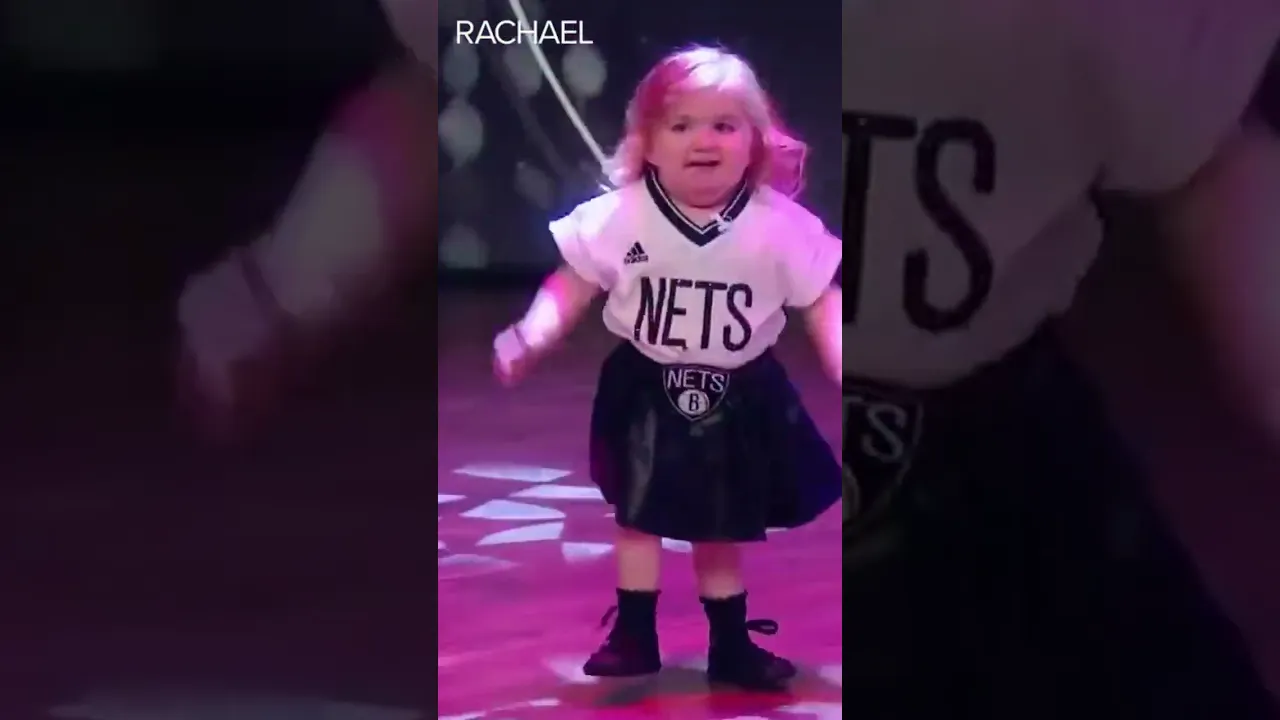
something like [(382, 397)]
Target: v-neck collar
[(699, 235)]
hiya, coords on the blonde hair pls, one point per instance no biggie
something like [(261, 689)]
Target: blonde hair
[(777, 156)]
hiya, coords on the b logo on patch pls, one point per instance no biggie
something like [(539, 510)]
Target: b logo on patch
[(882, 433), (694, 390)]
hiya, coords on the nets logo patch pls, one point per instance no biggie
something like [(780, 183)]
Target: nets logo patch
[(882, 433), (694, 390)]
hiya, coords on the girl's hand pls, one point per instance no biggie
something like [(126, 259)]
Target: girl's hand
[(512, 356), (555, 310)]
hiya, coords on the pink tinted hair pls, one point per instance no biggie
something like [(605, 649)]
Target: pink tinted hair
[(778, 157)]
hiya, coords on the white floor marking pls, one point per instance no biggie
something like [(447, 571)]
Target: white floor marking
[(679, 546), (452, 567), (526, 534), (512, 511), (569, 669), (578, 552), (509, 471), (560, 492)]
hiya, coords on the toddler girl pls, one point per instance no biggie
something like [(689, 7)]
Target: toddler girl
[(696, 432)]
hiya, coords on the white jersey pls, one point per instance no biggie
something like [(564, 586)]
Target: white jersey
[(975, 131), (700, 295)]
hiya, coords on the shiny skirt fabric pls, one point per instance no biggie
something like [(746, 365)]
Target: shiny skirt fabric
[(1018, 566), (704, 455)]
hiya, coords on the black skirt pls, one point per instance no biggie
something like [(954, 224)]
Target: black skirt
[(707, 455), (1011, 562)]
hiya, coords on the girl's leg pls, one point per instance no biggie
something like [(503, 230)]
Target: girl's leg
[(719, 570), (639, 560), (733, 658), (632, 645)]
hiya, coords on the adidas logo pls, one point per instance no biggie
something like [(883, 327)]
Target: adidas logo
[(635, 255)]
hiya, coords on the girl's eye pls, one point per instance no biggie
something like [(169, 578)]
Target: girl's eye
[(680, 127), (725, 127)]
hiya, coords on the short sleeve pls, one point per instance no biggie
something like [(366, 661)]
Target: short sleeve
[(570, 235), (1175, 78), (810, 260)]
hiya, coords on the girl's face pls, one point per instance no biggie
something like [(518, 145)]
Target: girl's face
[(702, 147)]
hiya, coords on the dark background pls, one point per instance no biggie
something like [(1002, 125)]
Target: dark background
[(138, 143), (490, 223)]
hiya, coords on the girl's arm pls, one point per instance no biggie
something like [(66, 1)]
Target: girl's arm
[(824, 321), (810, 266), (1226, 228), (556, 309)]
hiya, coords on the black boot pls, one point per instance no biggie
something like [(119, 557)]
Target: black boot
[(632, 646), (733, 659)]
